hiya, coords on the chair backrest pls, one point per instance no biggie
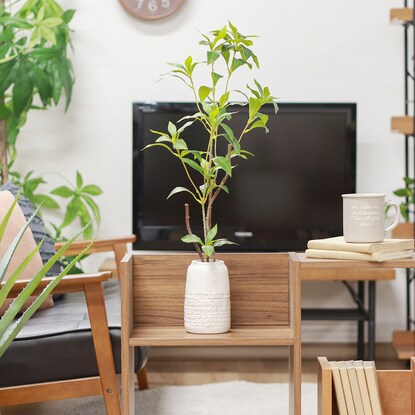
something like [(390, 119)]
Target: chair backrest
[(259, 288)]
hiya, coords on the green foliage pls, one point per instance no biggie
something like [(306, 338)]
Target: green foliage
[(227, 51), (80, 205), (407, 193), (11, 323), (33, 61)]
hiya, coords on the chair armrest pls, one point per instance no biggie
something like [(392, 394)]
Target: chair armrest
[(99, 245), (69, 283)]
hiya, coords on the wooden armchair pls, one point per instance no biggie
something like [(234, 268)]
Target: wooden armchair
[(73, 349)]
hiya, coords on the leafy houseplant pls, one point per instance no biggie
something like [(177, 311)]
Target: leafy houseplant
[(35, 73), (408, 194), (207, 297), (9, 324), (227, 52)]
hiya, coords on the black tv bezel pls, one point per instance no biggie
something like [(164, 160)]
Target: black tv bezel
[(188, 107)]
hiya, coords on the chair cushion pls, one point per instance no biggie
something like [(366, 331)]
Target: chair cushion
[(56, 344)]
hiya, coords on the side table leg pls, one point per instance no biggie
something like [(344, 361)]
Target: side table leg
[(295, 379), (372, 311), (361, 323), (127, 381)]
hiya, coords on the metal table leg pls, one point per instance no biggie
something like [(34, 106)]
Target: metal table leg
[(371, 322), (361, 324)]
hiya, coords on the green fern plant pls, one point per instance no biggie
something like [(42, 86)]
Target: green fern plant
[(11, 322)]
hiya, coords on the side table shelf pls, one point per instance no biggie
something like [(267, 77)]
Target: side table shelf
[(265, 304)]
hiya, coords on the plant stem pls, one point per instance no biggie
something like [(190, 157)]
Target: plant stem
[(217, 191), (189, 230)]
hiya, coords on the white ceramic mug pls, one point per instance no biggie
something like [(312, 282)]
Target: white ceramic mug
[(364, 217)]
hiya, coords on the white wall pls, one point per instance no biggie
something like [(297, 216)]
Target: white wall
[(321, 50)]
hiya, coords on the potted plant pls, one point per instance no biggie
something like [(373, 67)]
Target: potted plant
[(207, 299), (35, 74)]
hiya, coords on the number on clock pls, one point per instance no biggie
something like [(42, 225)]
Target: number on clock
[(151, 9)]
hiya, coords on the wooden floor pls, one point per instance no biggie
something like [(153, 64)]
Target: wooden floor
[(192, 372)]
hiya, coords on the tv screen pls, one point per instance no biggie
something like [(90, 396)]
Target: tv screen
[(288, 193)]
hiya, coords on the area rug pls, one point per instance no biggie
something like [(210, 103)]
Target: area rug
[(228, 398)]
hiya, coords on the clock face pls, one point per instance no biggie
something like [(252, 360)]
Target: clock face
[(151, 9)]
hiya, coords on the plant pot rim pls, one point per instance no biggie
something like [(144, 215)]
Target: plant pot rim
[(199, 262)]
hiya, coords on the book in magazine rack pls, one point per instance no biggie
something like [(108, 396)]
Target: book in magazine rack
[(396, 390), (265, 306)]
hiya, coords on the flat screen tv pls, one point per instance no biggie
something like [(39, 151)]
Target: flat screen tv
[(288, 193)]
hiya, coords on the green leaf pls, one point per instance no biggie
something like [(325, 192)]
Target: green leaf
[(211, 234), (52, 8), (68, 15), (41, 81), (212, 56), (229, 135), (72, 211), (171, 128), (52, 22), (192, 239), (204, 92), (48, 34), (45, 200), (22, 94), (193, 165), (209, 250), (28, 6), (180, 189), (5, 112), (163, 138), (224, 164), (34, 39), (180, 144), (224, 99), (63, 191), (92, 189), (79, 180), (221, 242), (65, 71), (44, 54), (17, 22), (216, 77), (400, 192), (94, 207), (236, 63), (254, 106)]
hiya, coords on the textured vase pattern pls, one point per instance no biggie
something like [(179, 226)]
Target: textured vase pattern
[(207, 305), (207, 310)]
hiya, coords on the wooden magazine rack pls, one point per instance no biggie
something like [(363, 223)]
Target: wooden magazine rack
[(396, 387)]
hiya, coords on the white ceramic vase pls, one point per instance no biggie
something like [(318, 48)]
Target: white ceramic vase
[(207, 304)]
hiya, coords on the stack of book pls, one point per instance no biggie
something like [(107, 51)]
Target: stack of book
[(356, 387), (338, 248)]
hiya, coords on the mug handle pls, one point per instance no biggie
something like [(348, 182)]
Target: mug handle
[(397, 216)]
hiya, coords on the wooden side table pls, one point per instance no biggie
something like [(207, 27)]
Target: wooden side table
[(312, 267), (265, 302)]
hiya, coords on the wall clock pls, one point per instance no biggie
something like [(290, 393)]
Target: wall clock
[(151, 9)]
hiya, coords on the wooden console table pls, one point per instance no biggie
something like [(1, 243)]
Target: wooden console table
[(265, 303)]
